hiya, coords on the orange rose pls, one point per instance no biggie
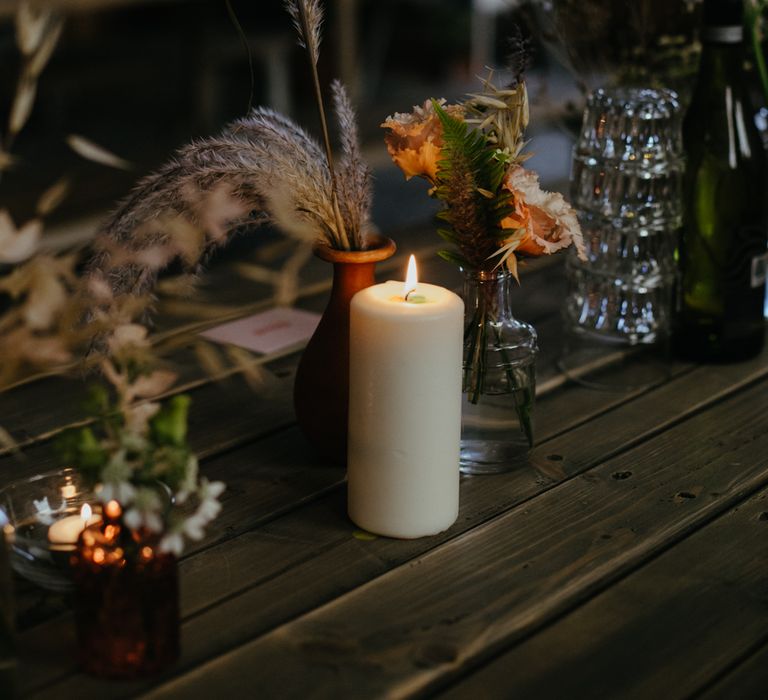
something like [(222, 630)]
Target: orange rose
[(414, 141), (549, 222), (542, 224)]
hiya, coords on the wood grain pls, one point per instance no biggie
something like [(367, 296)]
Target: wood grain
[(320, 538), (664, 631), (748, 681), (407, 629), (282, 595), (29, 415)]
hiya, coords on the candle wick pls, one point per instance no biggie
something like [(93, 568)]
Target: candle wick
[(409, 293)]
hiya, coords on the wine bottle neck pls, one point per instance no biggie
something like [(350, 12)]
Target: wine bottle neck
[(722, 62)]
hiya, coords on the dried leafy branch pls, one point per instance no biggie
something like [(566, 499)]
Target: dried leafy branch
[(137, 443), (261, 169), (38, 29)]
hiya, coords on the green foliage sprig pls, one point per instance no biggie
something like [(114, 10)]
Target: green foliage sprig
[(136, 451), (470, 176), (754, 16), (161, 455)]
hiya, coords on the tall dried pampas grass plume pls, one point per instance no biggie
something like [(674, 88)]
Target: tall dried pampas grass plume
[(261, 169), (307, 16)]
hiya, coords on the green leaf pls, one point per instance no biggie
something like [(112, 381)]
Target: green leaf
[(65, 446), (97, 400), (169, 465), (80, 448), (504, 211), (462, 145), (169, 425), (449, 235), (524, 399), (454, 257)]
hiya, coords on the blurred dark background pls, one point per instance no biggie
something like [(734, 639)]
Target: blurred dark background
[(142, 77)]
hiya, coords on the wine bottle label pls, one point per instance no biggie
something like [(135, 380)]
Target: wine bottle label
[(759, 267), (743, 268), (723, 35)]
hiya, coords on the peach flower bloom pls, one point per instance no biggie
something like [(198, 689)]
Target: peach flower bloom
[(414, 140), (543, 222)]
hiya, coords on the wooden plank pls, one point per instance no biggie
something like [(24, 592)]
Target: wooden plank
[(402, 632), (214, 426), (28, 414), (667, 630), (216, 430), (264, 480), (550, 550), (212, 436), (213, 430), (289, 503), (651, 412), (482, 499), (748, 681)]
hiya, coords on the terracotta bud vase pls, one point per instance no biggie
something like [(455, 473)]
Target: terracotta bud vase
[(321, 389)]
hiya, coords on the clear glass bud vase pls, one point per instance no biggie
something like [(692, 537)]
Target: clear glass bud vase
[(499, 376)]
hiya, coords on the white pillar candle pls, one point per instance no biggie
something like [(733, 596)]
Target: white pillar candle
[(404, 409)]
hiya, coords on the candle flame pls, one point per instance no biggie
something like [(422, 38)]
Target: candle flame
[(113, 510), (412, 278), (86, 512)]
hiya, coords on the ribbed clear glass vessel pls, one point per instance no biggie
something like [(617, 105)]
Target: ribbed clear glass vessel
[(626, 184)]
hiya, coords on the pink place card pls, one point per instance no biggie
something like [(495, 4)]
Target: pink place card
[(267, 332)]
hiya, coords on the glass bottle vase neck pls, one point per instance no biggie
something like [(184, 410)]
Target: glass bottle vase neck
[(491, 289)]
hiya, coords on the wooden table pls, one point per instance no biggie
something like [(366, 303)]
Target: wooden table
[(627, 560)]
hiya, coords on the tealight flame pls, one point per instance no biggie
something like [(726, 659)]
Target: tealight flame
[(86, 512), (412, 278)]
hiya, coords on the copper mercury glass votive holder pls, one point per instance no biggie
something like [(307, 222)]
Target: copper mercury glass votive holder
[(126, 603)]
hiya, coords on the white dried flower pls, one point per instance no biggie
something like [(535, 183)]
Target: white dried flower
[(145, 511), (137, 417), (120, 491), (126, 336), (172, 543)]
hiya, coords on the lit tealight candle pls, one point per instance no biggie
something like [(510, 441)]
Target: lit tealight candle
[(67, 530), (404, 407)]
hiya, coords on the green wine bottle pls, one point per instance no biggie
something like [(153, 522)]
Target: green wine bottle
[(725, 217)]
